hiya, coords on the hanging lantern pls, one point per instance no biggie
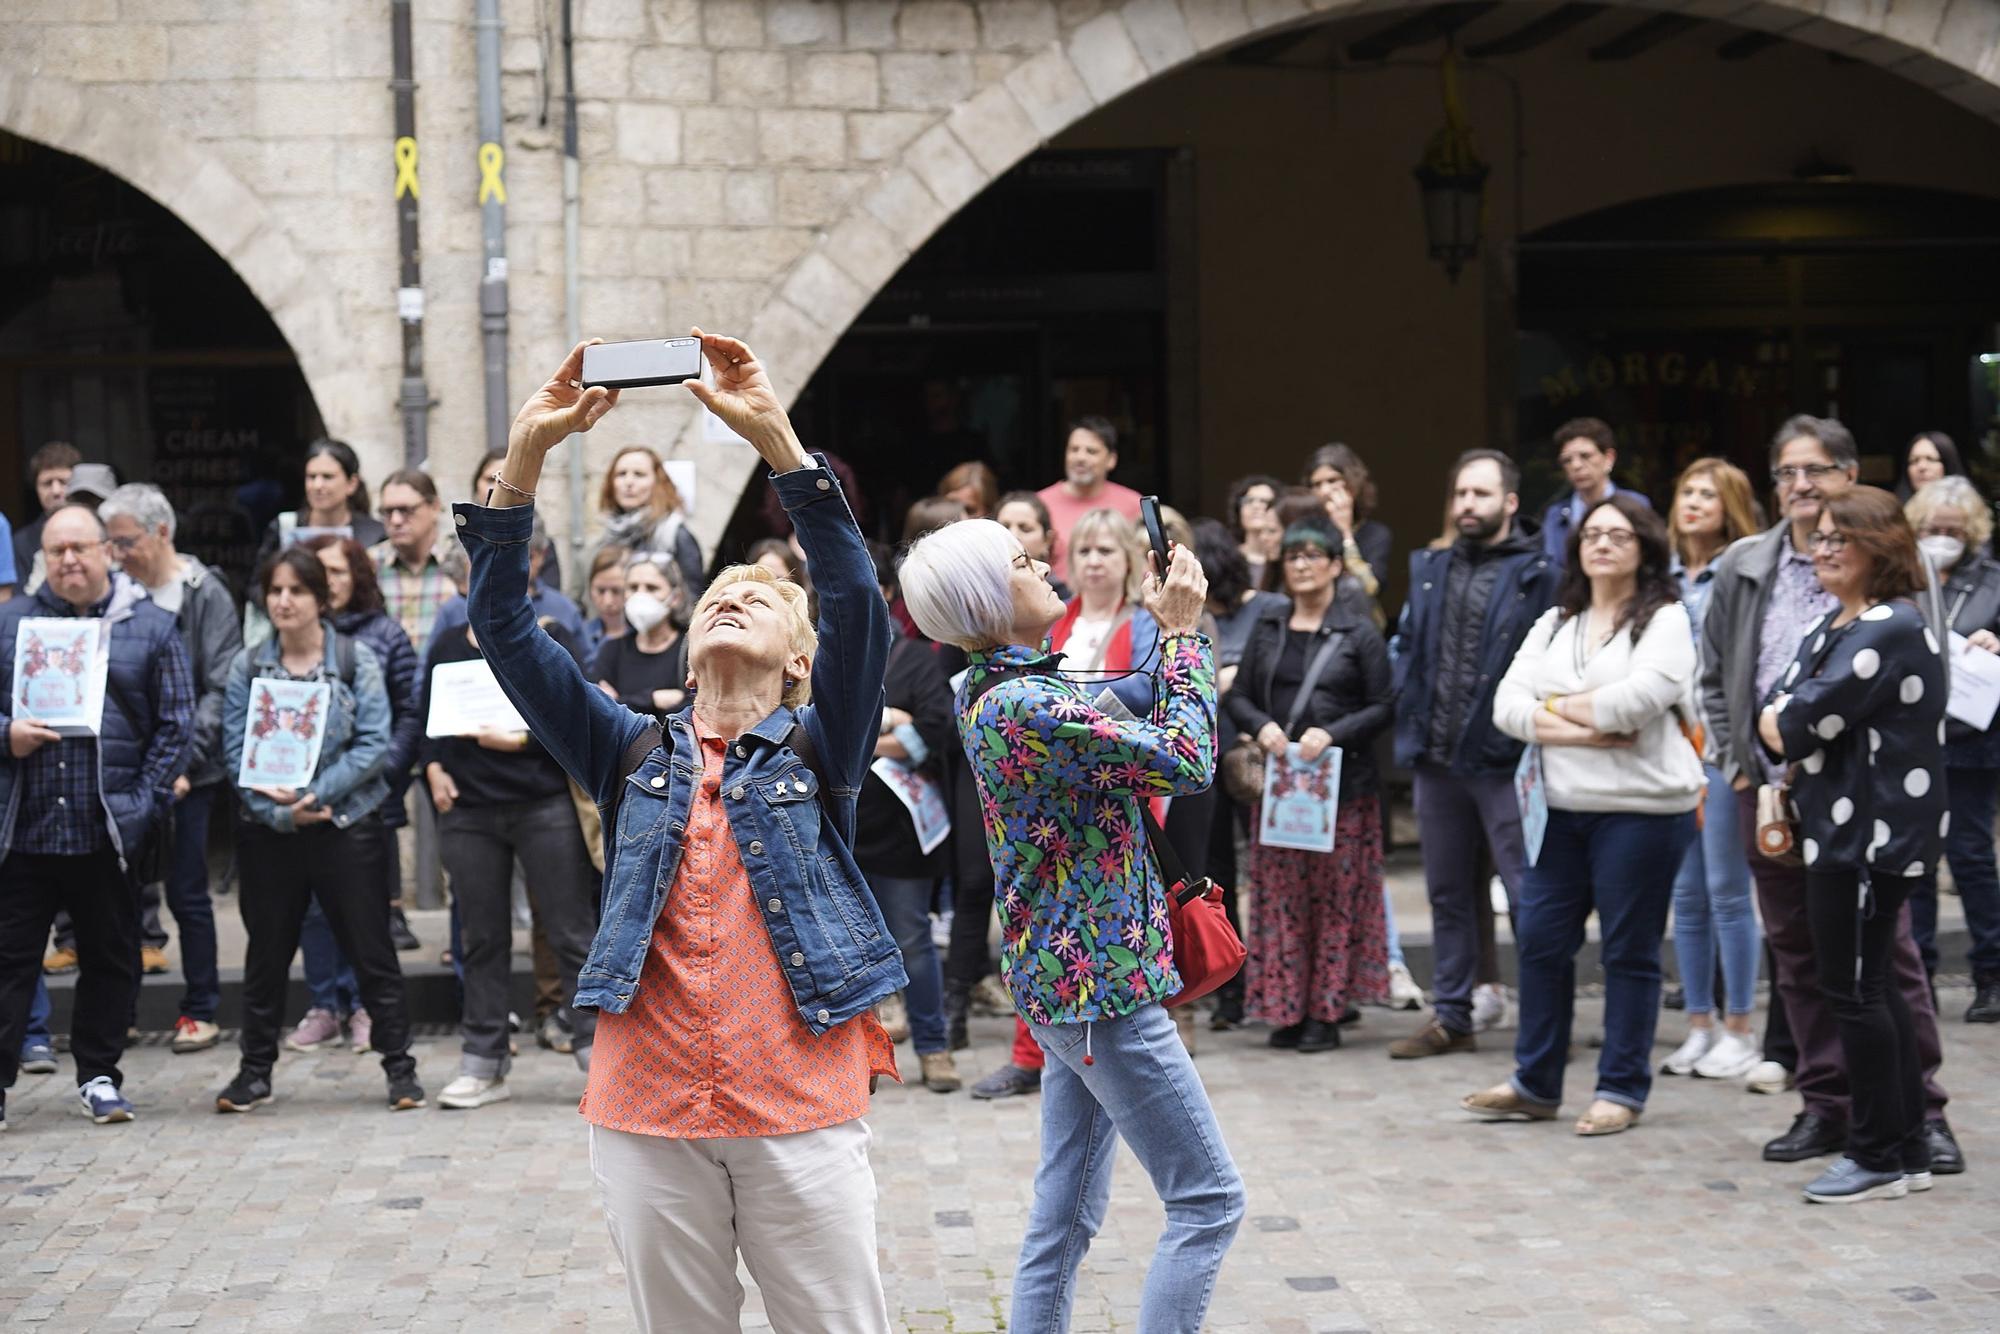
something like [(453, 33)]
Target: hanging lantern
[(1453, 181)]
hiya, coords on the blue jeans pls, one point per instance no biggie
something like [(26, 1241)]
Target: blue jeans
[(328, 974), (906, 907), (1140, 1084), (1712, 909), (1622, 866), (193, 909), (1395, 937), (1968, 845), (38, 1020)]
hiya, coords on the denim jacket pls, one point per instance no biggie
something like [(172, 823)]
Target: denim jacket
[(349, 780), (829, 937)]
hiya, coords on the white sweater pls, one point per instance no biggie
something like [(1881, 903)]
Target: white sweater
[(1636, 687)]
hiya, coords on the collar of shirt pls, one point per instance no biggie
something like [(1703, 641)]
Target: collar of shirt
[(1576, 501)]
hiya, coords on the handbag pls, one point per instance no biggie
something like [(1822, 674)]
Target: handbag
[(1243, 763), (1777, 824), (1207, 951)]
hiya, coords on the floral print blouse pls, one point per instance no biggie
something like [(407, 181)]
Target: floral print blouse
[(1864, 720), (1083, 914)]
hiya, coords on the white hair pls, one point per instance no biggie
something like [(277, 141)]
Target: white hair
[(956, 582), (145, 505)]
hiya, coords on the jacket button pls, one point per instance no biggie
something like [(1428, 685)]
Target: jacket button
[(756, 847), (823, 1016), (776, 905), (659, 780), (798, 960), (824, 485), (799, 784), (461, 520), (736, 793), (741, 752)]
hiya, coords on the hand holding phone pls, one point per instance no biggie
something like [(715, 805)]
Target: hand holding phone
[(1156, 534), (646, 361)]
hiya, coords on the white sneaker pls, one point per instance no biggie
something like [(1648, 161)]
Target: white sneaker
[(1767, 1077), (1492, 1007), (469, 1091), (1404, 993), (1733, 1056), (1685, 1057), (1496, 890)]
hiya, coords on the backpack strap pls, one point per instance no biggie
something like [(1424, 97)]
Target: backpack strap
[(343, 657)]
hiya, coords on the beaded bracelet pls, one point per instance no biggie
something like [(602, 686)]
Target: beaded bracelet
[(497, 480)]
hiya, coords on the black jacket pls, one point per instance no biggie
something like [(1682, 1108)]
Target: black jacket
[(885, 839), (1353, 700)]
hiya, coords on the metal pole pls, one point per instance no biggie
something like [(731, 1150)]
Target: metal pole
[(493, 223), (414, 398), (572, 303)]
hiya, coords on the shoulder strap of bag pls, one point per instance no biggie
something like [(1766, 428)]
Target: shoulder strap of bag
[(343, 657), (1314, 670)]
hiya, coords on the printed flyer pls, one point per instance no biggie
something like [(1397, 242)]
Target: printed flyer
[(59, 669), (1301, 800), (282, 733)]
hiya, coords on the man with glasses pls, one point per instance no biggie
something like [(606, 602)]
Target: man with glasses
[(140, 525), (76, 812), (1588, 451), (1470, 606), (1764, 598), (409, 561)]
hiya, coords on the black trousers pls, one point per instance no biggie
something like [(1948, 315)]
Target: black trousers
[(969, 957), (104, 906), (1854, 944), (339, 869)]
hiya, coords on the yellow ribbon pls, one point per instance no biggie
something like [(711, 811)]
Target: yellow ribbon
[(490, 184), (406, 168)]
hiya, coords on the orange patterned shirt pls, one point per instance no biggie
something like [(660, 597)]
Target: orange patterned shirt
[(713, 1046)]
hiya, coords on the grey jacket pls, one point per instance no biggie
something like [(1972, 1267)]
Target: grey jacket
[(209, 629), (1730, 633)]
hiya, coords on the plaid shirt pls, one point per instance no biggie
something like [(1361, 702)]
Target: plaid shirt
[(62, 812), (412, 597)]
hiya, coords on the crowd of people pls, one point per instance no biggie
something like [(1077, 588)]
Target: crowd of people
[(1695, 727)]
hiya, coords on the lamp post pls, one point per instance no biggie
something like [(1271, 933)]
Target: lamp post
[(1452, 179)]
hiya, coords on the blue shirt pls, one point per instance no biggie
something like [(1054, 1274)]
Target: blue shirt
[(9, 572)]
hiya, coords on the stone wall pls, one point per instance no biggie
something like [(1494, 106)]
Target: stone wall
[(762, 166)]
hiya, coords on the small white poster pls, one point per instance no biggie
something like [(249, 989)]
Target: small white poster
[(920, 797), (59, 670), (466, 700), (283, 730), (1531, 796), (1301, 800), (1975, 684)]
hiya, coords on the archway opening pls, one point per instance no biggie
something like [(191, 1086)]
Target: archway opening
[(124, 333)]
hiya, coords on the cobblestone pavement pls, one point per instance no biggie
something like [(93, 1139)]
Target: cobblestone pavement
[(1374, 1204)]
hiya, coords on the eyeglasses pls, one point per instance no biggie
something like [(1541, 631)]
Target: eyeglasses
[(400, 511), (1805, 472), (1619, 538), (1023, 560), (125, 546), (1831, 543)]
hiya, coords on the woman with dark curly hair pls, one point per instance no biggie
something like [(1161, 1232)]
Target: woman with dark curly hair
[(1603, 690)]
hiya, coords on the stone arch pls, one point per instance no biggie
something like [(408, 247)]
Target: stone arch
[(215, 205), (1949, 46)]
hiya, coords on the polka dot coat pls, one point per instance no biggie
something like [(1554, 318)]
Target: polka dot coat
[(1862, 714)]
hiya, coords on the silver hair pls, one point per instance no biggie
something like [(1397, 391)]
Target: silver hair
[(956, 582), (144, 504)]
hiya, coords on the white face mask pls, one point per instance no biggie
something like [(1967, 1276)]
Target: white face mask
[(643, 611), (1943, 551)]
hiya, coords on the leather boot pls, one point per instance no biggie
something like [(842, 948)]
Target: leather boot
[(957, 1004)]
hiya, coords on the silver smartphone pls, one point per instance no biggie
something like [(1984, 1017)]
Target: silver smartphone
[(644, 361)]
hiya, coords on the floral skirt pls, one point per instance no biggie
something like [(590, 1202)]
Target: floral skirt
[(1317, 939)]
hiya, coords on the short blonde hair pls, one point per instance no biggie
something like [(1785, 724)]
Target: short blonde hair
[(1124, 534), (1955, 493), (804, 637)]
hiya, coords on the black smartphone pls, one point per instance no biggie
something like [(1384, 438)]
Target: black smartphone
[(645, 361), (1149, 511)]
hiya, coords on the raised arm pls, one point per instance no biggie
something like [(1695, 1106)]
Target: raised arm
[(852, 660)]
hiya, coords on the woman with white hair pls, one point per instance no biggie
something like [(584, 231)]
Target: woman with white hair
[(1085, 936), (739, 956), (1954, 527)]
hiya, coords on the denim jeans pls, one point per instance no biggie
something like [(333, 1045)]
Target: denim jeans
[(1395, 937), (1969, 847), (1622, 867), (1140, 1084), (38, 1020), (1713, 910), (906, 907), (193, 909), (329, 976)]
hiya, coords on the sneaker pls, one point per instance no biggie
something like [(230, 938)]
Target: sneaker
[(152, 960), (941, 1072), (1918, 1182), (60, 961), (1503, 1102), (555, 1035), (1733, 1056), (405, 1094), (1685, 1056), (360, 1031), (399, 932), (1434, 1039), (102, 1102), (194, 1035), (1008, 1081), (1228, 1014), (991, 999), (1985, 1007), (244, 1092), (1673, 998), (1848, 1182), (1767, 1077), (38, 1058), (894, 1016), (1492, 1007), (318, 1028), (469, 1091), (1404, 993)]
